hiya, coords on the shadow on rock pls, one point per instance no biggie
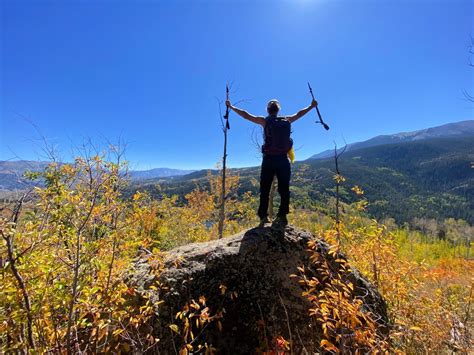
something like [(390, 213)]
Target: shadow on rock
[(247, 279)]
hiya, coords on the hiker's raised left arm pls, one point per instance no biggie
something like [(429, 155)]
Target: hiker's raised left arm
[(302, 112), (255, 119)]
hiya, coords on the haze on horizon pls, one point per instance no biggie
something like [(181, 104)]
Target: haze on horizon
[(150, 72)]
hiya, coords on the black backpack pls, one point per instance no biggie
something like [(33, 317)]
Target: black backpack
[(277, 133)]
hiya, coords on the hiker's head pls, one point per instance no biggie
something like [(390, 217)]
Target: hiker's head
[(273, 107)]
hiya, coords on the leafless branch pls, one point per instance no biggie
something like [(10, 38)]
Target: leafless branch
[(471, 46), (468, 96), (287, 322), (221, 116), (257, 132), (49, 150)]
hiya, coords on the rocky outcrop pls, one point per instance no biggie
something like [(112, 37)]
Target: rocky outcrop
[(247, 277)]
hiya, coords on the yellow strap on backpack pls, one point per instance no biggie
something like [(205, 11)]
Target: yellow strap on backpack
[(291, 155)]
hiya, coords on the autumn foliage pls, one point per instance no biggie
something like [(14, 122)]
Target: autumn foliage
[(66, 248)]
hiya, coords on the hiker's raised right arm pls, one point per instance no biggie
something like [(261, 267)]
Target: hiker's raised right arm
[(255, 119)]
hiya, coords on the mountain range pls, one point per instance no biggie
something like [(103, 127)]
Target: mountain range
[(456, 129), (11, 173), (426, 173), (157, 173)]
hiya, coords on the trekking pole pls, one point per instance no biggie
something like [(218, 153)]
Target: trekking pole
[(226, 116), (326, 127)]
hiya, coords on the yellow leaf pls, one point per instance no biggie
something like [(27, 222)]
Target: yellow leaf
[(117, 332), (174, 328), (326, 344)]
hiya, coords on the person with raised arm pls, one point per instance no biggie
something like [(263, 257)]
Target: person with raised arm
[(277, 145)]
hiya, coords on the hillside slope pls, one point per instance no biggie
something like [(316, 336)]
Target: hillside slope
[(11, 173), (431, 178), (427, 178)]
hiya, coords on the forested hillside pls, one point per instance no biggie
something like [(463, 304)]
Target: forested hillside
[(429, 178)]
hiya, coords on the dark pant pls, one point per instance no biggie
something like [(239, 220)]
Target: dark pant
[(272, 165)]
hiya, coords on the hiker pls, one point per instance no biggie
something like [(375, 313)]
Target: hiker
[(277, 145)]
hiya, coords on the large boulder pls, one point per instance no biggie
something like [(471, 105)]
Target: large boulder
[(246, 280)]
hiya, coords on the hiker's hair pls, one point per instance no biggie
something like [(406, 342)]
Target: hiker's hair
[(273, 107)]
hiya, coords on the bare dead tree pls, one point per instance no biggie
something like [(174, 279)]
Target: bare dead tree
[(338, 180), (225, 128), (223, 187)]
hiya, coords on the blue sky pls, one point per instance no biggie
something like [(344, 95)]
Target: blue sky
[(150, 71)]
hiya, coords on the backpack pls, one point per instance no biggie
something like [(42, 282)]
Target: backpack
[(277, 133)]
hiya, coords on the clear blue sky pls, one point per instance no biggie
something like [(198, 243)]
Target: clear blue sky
[(150, 71)]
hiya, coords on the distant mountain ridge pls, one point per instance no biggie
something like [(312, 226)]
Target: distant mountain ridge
[(157, 173), (11, 173), (455, 129)]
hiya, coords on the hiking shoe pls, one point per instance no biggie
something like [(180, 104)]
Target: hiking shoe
[(263, 221), (280, 222)]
